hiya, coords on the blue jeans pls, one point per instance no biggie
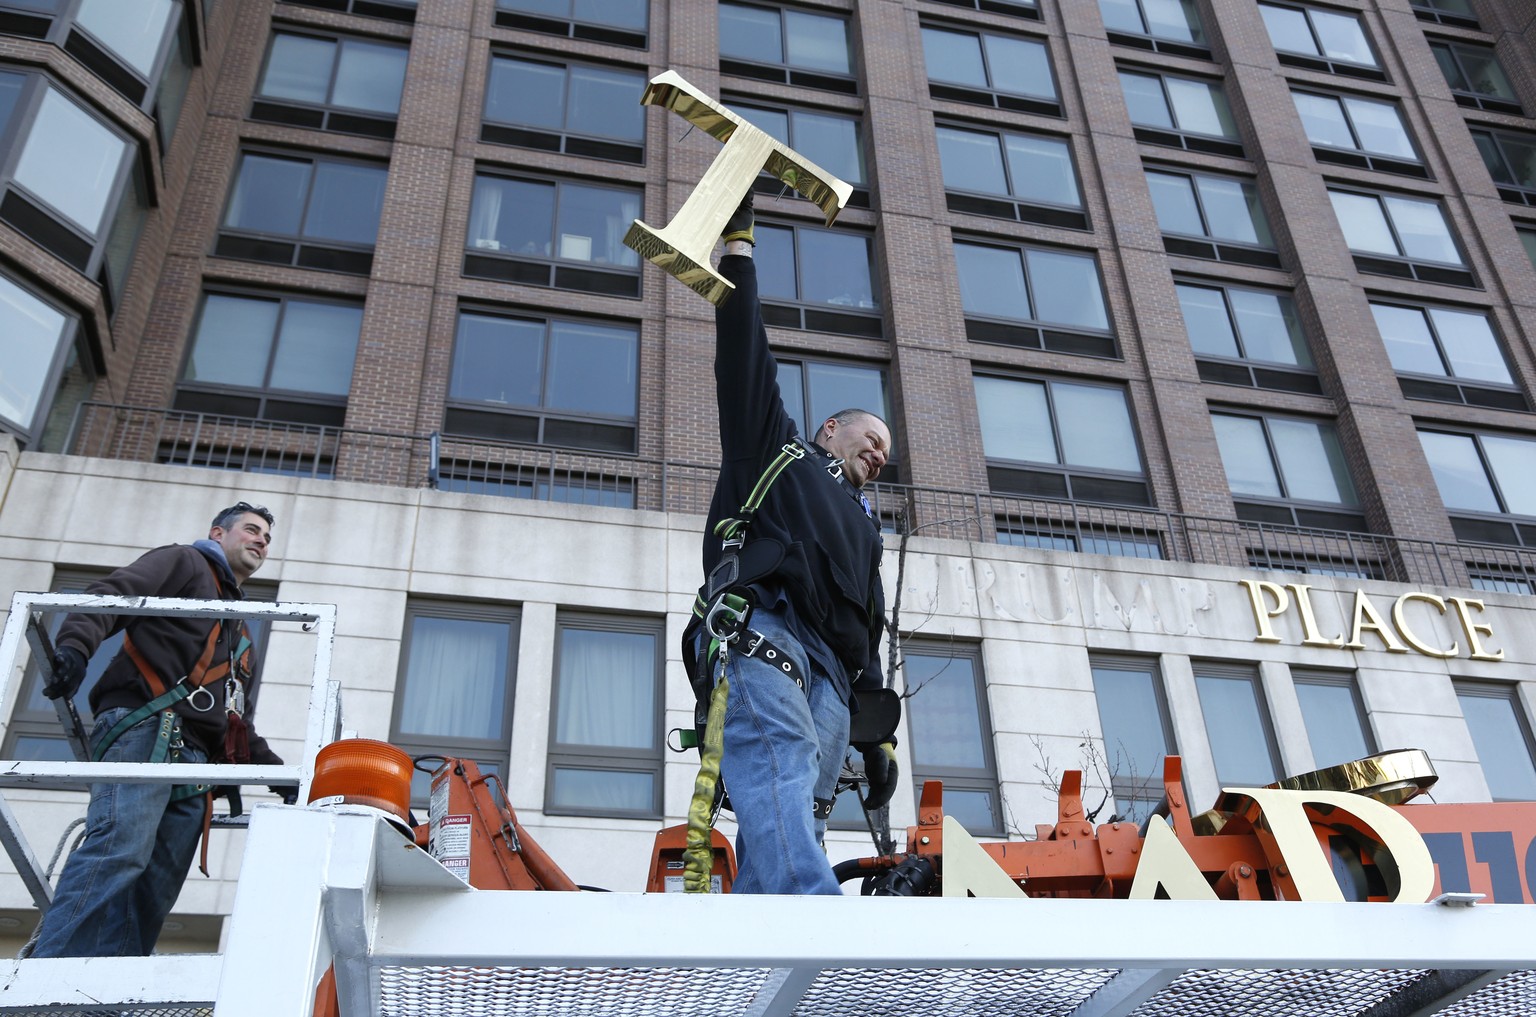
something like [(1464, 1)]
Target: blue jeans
[(784, 748), (123, 879)]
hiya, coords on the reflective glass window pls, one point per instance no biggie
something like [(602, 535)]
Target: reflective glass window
[(71, 161), (1501, 733), (1236, 322), (1283, 458), (1441, 341), (1395, 226)]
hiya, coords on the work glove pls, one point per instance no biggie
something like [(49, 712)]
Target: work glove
[(287, 792), (739, 225), (68, 673), (880, 774)]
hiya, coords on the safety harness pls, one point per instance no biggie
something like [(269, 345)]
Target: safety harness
[(169, 743)]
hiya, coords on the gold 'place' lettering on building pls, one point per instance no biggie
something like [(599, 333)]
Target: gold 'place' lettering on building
[(1271, 600)]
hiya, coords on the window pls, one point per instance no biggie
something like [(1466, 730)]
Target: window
[(1289, 471), (1475, 77), (458, 672), (1500, 578), (1445, 12), (1446, 355), (34, 732), (990, 70), (35, 339), (1347, 130), (347, 85), (1133, 715), (1116, 543), (1511, 161), (1026, 177), (1237, 724), (570, 108), (1220, 209), (605, 737), (1502, 736), (952, 732), (1408, 238), (817, 279), (786, 45), (124, 44), (1334, 715), (313, 213), (813, 390), (827, 139), (565, 234), (175, 79), (1168, 26), (622, 22), (1528, 241), (68, 173), (272, 358), (1346, 565), (394, 10), (1247, 337), (1018, 8), (1484, 475), (1180, 112), (1321, 40), (1038, 298), (1060, 439), (546, 381)]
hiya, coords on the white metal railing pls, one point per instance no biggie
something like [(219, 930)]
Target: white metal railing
[(322, 726)]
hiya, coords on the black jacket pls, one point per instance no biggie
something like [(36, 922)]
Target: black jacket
[(831, 566), (171, 645)]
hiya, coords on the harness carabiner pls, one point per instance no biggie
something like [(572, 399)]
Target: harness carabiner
[(727, 618)]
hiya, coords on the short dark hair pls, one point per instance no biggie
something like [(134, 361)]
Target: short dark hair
[(227, 517), (844, 416)]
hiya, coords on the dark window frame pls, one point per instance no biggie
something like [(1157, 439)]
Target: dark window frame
[(791, 74), (296, 250), (1018, 8), (392, 10), (1447, 387), (1401, 265), (550, 271), (1480, 527), (1070, 536), (1061, 480), (609, 758), (1359, 156), (1287, 510), (1212, 248), (274, 404), (1515, 194), (324, 116), (1146, 787), (1033, 333), (1013, 207), (1318, 61), (1337, 679), (1246, 371), (1146, 39), (32, 215), (488, 752), (983, 779), (61, 29), (1505, 692), (1338, 566), (564, 140), (71, 340), (1229, 671), (573, 28), (1427, 10), (767, 184), (804, 358), (813, 316), (1469, 98), (992, 97), (501, 422), (1177, 136)]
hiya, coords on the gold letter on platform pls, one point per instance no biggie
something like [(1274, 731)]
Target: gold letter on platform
[(968, 870), (683, 246)]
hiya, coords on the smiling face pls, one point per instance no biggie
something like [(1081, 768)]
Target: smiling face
[(861, 442), (245, 544)]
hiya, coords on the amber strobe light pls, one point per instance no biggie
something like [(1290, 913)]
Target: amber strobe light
[(361, 771)]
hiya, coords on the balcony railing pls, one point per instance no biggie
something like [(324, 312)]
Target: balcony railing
[(479, 466)]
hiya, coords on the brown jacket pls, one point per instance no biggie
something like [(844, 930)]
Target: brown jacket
[(171, 645)]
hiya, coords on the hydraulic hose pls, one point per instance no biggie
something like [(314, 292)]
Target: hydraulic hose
[(699, 854)]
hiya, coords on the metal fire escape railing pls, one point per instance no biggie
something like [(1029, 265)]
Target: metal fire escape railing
[(615, 480)]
